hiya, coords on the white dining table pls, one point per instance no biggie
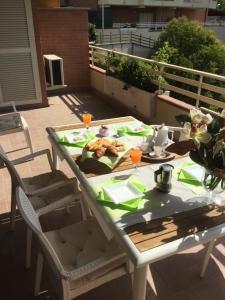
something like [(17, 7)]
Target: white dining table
[(158, 205)]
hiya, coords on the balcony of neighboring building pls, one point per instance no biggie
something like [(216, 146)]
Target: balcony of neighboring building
[(166, 3)]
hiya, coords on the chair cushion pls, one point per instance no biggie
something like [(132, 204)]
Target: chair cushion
[(78, 244), (10, 121), (101, 272), (43, 180)]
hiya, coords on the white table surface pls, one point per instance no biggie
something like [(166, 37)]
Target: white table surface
[(181, 198)]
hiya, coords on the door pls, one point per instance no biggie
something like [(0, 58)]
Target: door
[(19, 76)]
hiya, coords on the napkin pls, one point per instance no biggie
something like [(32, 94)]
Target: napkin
[(67, 139), (129, 130), (129, 205), (190, 174)]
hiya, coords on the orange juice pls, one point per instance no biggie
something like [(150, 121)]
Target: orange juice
[(86, 119), (135, 156)]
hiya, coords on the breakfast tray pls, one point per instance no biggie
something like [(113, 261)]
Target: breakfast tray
[(92, 167)]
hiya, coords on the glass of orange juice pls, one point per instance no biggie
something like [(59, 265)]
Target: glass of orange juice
[(135, 156), (87, 120)]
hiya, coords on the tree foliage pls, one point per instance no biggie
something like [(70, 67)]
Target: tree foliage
[(221, 5), (188, 44), (92, 32), (191, 45)]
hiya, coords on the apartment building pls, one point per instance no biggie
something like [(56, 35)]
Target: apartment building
[(145, 11)]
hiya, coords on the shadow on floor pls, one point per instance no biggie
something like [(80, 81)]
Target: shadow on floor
[(174, 278), (93, 104)]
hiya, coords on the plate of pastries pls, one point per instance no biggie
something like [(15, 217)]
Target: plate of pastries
[(105, 147)]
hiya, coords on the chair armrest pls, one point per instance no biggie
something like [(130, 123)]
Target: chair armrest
[(24, 122), (50, 187), (33, 155), (57, 204)]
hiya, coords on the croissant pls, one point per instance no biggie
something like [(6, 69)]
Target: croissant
[(100, 152), (111, 150)]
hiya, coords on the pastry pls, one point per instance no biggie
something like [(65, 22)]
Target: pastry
[(100, 152), (112, 151), (104, 146)]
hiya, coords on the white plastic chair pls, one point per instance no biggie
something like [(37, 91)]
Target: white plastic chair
[(80, 255), (46, 191), (13, 122)]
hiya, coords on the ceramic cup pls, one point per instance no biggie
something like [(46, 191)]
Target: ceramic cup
[(157, 150)]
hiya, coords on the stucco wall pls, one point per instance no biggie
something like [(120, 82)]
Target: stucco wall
[(150, 107)]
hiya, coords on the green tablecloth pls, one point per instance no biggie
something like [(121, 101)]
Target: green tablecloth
[(125, 130), (64, 140)]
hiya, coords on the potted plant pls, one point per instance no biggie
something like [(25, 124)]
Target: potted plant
[(204, 138)]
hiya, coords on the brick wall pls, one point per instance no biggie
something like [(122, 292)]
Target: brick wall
[(164, 15), (192, 14), (131, 15), (125, 14), (64, 32), (46, 3), (92, 4)]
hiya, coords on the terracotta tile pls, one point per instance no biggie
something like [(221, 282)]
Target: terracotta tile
[(174, 278)]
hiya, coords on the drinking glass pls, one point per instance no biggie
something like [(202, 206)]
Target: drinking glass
[(135, 156), (213, 185), (87, 120)]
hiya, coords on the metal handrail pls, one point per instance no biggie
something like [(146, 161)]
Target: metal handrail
[(133, 38), (166, 71)]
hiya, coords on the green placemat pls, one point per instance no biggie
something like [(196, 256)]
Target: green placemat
[(125, 130), (64, 141), (187, 179), (110, 161), (118, 210)]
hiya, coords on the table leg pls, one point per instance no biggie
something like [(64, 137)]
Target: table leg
[(55, 159), (209, 250), (139, 283)]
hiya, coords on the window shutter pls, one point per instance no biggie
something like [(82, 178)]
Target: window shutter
[(19, 78)]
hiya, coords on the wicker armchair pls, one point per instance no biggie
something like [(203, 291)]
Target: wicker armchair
[(46, 191), (80, 255)]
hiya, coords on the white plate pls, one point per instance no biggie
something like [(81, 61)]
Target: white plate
[(122, 192), (74, 138), (137, 128), (152, 154)]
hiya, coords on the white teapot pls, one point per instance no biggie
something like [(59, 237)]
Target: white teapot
[(162, 138), (149, 143)]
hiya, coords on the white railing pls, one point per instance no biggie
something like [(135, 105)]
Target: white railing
[(199, 82), (161, 25), (152, 26)]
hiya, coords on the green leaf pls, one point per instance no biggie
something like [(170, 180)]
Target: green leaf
[(181, 119), (215, 126), (197, 157), (223, 156)]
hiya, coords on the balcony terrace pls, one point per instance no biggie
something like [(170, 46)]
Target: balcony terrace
[(165, 3), (174, 278), (103, 96)]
